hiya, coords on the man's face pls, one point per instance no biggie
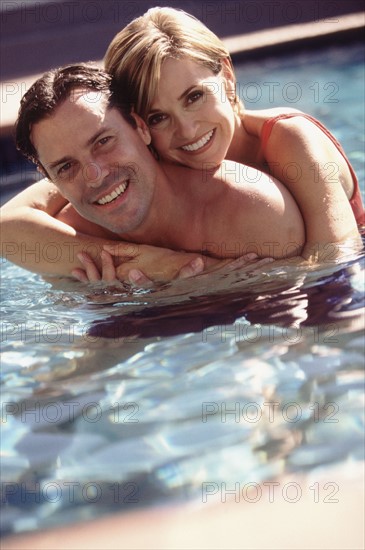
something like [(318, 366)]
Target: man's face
[(98, 161)]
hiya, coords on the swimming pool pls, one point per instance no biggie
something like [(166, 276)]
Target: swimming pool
[(113, 400)]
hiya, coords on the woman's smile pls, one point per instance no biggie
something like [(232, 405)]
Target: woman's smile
[(199, 145)]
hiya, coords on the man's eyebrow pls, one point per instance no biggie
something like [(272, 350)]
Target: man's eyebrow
[(97, 135), (89, 142), (57, 162)]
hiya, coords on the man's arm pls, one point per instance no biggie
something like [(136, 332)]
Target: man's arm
[(41, 232)]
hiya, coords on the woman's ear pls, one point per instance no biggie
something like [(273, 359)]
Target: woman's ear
[(230, 79), (142, 128)]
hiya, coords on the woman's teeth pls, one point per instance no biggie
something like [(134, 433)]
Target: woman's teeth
[(199, 144), (116, 193)]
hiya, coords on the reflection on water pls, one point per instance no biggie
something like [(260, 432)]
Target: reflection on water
[(113, 400)]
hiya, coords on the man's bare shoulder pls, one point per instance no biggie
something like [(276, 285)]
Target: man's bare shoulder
[(252, 207), (240, 176)]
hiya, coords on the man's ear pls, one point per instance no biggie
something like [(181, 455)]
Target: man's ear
[(42, 171), (142, 128)]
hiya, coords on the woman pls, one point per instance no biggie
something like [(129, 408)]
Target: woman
[(179, 77)]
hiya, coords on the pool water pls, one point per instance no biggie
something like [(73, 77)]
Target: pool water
[(114, 399)]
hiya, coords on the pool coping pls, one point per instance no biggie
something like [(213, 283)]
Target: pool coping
[(275, 41)]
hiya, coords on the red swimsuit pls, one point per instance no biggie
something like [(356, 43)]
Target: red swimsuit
[(356, 200)]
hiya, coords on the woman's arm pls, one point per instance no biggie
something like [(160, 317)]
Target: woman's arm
[(32, 236), (303, 158)]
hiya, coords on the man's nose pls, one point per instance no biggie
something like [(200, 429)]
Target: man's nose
[(94, 173)]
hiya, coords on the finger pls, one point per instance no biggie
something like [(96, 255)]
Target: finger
[(256, 267), (114, 249), (121, 249), (108, 272), (92, 271), (243, 260), (80, 275), (263, 262), (195, 267), (138, 278)]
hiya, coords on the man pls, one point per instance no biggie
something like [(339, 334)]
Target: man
[(112, 188)]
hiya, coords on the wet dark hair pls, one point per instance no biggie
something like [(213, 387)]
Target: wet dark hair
[(52, 89)]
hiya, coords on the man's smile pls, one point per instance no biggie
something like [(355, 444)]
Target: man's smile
[(110, 197)]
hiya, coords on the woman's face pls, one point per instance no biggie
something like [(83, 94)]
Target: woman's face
[(191, 119)]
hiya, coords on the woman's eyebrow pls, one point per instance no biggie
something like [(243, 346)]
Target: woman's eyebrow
[(185, 93)]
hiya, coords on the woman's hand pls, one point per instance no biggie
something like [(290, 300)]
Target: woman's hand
[(140, 265), (91, 273), (177, 265)]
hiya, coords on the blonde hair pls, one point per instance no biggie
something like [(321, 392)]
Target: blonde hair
[(136, 54)]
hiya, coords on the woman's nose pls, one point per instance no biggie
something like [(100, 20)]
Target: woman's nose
[(185, 127)]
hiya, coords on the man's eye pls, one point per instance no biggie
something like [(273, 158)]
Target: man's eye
[(104, 140), (64, 168), (156, 119)]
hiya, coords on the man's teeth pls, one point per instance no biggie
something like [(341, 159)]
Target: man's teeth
[(117, 191), (199, 144)]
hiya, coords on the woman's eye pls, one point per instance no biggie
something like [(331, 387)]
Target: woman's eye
[(194, 96), (156, 119)]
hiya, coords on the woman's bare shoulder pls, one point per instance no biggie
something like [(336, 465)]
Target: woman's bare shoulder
[(254, 120)]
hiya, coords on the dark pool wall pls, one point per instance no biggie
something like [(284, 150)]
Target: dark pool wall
[(37, 35)]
